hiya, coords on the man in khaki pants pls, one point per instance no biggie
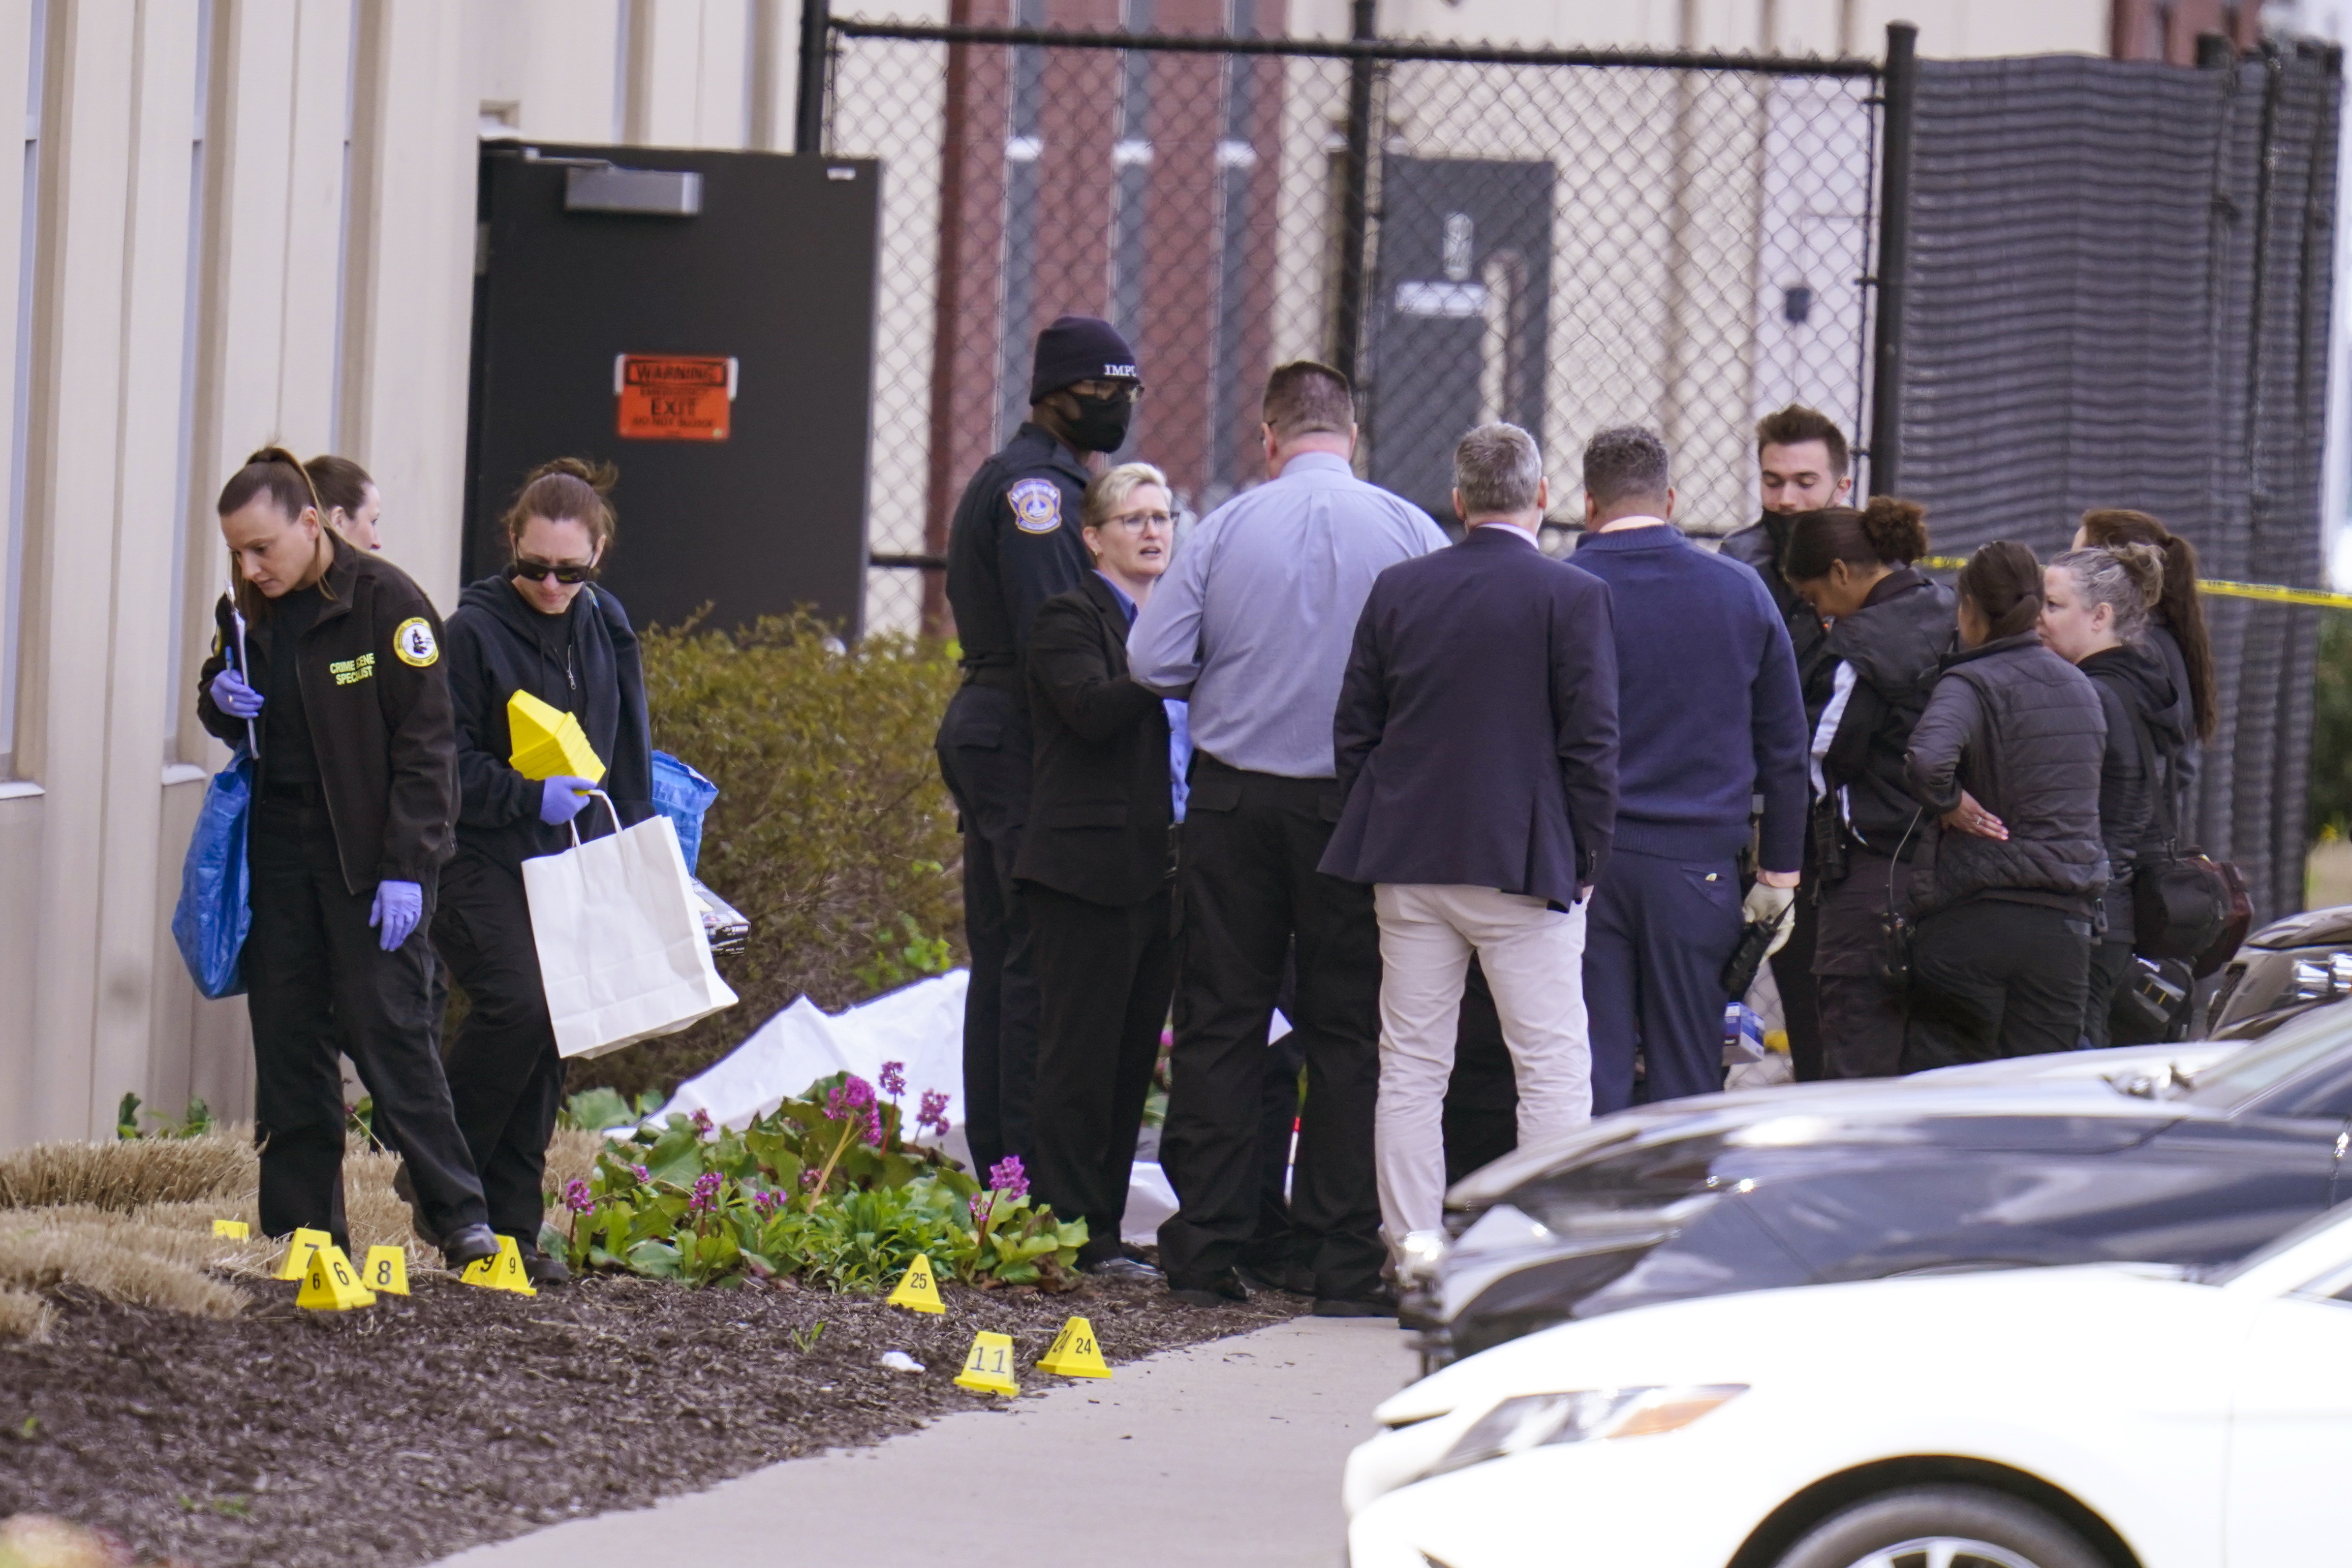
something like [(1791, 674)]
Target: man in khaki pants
[(1476, 750)]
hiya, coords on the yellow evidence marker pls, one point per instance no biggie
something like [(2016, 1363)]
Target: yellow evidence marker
[(233, 1229), (547, 743), (918, 1291), (386, 1271), (331, 1285), (297, 1262), (1075, 1352), (988, 1366), (501, 1272)]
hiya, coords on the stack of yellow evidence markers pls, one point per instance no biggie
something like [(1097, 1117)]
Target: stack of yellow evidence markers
[(502, 1273), (548, 743), (1075, 1352), (918, 1291)]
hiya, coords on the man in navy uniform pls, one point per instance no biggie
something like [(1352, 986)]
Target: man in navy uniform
[(1013, 544)]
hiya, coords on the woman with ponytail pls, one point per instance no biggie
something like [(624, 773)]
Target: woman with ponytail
[(1891, 627), (327, 668), (2176, 630), (2095, 613), (2006, 761), (539, 625)]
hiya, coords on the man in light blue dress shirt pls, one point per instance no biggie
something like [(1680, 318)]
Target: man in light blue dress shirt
[(1253, 622)]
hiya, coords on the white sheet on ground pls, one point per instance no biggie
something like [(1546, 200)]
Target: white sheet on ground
[(921, 1025), (1149, 1200)]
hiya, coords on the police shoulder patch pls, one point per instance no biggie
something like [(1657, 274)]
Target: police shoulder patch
[(1036, 506), (413, 640)]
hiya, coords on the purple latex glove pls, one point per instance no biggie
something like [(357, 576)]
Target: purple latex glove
[(561, 797), (398, 906), (234, 697)]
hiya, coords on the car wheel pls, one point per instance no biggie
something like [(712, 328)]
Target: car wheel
[(1941, 1527)]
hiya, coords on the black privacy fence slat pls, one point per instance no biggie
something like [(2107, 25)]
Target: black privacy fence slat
[(2119, 280), (2115, 285), (1565, 240)]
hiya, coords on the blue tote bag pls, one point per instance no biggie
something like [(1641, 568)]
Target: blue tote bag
[(682, 796), (215, 907)]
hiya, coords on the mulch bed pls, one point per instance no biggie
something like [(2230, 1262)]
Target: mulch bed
[(400, 1433)]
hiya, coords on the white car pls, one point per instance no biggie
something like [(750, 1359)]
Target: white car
[(2107, 1416)]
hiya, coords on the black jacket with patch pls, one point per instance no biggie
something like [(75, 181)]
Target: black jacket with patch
[(1895, 645), (1012, 545), (375, 691), (585, 661)]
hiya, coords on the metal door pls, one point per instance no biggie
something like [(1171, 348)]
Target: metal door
[(1460, 316), (746, 276)]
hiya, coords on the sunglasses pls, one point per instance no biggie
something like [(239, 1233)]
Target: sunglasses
[(566, 572)]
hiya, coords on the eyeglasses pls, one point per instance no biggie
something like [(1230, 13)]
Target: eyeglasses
[(562, 571), (1139, 520)]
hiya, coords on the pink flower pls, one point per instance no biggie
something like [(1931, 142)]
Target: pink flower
[(1009, 1178), (577, 1197), (808, 1176), (894, 1078), (979, 1203), (640, 1171), (705, 1196), (934, 1113), (853, 1096), (702, 1124)]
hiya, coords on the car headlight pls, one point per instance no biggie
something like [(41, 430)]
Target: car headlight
[(1533, 1420)]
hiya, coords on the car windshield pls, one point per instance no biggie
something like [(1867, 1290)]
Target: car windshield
[(2304, 1043)]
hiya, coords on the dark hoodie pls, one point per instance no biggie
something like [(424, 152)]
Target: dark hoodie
[(1759, 545), (2145, 744), (584, 662)]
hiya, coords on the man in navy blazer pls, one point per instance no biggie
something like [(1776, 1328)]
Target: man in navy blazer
[(1476, 750)]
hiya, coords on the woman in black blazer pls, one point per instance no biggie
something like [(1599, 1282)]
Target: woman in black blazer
[(1095, 868)]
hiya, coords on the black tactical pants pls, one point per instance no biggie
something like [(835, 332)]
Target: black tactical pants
[(316, 984)]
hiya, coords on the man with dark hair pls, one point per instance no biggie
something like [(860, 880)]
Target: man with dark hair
[(1710, 716), (1012, 545), (1253, 622), (1803, 464)]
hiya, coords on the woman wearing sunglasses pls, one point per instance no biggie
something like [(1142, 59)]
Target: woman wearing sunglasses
[(540, 626)]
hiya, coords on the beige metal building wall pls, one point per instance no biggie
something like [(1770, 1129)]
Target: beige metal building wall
[(239, 220)]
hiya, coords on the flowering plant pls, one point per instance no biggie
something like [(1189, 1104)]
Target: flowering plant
[(822, 1189)]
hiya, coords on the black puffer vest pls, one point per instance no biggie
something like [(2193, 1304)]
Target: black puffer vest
[(2024, 731), (1895, 644)]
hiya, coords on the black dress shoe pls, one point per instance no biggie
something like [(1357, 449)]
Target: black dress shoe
[(543, 1268), (1216, 1290), (1380, 1303), (405, 1190), (468, 1244), (1291, 1279)]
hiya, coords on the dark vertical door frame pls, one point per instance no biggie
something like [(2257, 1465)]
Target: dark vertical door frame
[(1899, 89)]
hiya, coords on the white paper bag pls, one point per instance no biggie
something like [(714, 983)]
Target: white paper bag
[(622, 948)]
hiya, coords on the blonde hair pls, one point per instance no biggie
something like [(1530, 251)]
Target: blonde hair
[(1110, 489)]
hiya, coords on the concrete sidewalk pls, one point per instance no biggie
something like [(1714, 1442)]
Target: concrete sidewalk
[(1226, 1453)]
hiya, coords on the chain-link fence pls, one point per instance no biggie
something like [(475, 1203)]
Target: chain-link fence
[(1567, 241)]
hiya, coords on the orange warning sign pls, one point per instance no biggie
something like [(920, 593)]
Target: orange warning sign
[(674, 397)]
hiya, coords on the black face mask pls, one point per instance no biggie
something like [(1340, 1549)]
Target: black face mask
[(1101, 422)]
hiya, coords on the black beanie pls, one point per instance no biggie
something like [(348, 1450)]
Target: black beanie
[(1079, 348)]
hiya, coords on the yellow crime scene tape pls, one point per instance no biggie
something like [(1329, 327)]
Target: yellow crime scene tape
[(2268, 593)]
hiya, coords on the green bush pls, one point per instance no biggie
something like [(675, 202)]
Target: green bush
[(832, 831)]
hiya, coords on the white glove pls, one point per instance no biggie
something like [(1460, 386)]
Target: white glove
[(1770, 907)]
